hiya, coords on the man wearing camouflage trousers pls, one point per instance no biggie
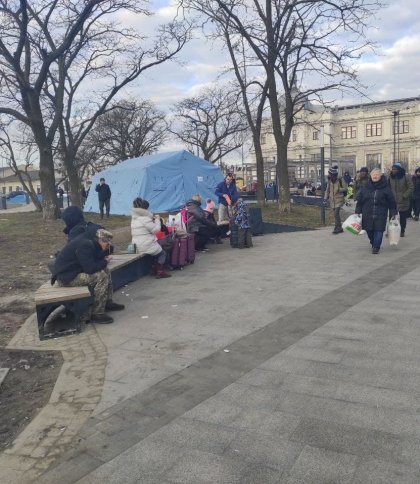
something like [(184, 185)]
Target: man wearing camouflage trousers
[(83, 262)]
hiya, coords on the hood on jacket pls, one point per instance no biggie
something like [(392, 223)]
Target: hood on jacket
[(142, 212), (193, 202), (400, 173), (71, 217)]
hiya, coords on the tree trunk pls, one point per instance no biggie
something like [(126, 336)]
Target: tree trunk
[(283, 178), (50, 210), (74, 180), (260, 169)]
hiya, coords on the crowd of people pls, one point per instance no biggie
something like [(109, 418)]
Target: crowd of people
[(378, 198), (84, 259)]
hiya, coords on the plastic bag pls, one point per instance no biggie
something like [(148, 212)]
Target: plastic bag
[(394, 231), (353, 224)]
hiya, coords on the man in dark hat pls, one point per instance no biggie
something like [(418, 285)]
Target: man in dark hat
[(335, 193), (402, 187), (360, 181)]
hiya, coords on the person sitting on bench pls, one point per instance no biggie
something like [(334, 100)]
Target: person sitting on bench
[(144, 226), (198, 224), (83, 262)]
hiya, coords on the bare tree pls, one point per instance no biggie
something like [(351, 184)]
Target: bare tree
[(211, 121), (303, 48), (132, 129), (45, 59)]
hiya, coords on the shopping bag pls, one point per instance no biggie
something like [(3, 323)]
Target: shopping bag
[(353, 224), (394, 231)]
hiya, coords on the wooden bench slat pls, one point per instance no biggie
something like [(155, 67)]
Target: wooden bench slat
[(49, 294), (120, 260)]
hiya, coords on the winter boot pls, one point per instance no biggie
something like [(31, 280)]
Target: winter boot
[(160, 273)]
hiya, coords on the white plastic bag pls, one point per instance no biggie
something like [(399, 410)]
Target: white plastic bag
[(353, 224), (394, 231)]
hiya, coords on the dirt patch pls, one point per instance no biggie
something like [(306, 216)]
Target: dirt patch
[(26, 389)]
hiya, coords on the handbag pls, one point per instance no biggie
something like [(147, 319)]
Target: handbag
[(166, 243)]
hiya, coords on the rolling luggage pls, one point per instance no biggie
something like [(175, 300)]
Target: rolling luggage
[(256, 221), (179, 253), (233, 234), (190, 248)]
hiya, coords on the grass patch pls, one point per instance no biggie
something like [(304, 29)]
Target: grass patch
[(300, 215)]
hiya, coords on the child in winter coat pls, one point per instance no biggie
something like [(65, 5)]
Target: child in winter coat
[(241, 220)]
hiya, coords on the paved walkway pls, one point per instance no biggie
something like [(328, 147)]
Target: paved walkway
[(294, 362)]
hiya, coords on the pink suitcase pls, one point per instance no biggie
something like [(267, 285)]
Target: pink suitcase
[(179, 253)]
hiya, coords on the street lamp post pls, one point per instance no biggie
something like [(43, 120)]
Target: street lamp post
[(321, 142), (396, 127)]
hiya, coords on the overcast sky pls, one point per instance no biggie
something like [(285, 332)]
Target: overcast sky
[(393, 73)]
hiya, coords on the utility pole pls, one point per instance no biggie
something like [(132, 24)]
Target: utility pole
[(321, 141)]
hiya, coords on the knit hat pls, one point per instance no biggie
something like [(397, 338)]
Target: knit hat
[(209, 206), (417, 169), (333, 170), (103, 234), (396, 166), (364, 169)]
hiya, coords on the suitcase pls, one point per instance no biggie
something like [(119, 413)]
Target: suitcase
[(255, 220), (233, 234), (190, 248), (179, 253)]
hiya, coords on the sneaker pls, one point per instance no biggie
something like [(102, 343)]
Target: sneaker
[(402, 234), (102, 318), (416, 218), (113, 306), (375, 250)]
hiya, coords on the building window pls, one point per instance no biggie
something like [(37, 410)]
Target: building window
[(373, 130), (315, 135), (403, 158), (294, 135), (401, 127), (10, 189), (316, 157), (373, 160), (4, 189), (263, 138), (348, 132)]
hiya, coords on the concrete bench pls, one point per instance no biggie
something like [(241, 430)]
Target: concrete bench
[(124, 268)]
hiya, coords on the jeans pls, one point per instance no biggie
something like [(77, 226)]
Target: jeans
[(375, 237), (107, 204), (337, 218)]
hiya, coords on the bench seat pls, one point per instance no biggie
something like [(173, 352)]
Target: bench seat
[(124, 268)]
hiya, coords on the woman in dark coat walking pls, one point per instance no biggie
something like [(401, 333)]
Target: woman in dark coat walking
[(373, 203)]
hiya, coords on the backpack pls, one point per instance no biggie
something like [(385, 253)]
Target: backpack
[(340, 180)]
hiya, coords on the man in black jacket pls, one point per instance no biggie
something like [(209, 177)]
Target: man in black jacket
[(104, 197), (83, 262)]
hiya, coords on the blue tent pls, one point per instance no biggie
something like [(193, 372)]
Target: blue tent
[(165, 180)]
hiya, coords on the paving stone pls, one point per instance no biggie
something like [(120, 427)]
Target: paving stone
[(70, 471), (315, 466), (270, 451), (383, 472)]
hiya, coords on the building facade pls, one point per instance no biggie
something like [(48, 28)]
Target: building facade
[(373, 134)]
